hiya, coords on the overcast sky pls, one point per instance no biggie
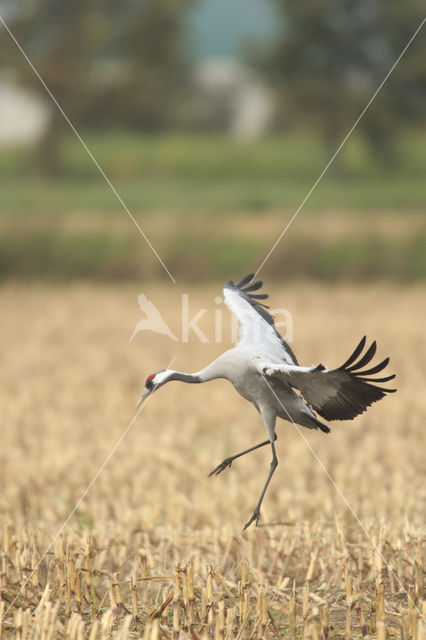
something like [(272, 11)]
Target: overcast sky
[(220, 27)]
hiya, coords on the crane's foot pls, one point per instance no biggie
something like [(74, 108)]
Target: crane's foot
[(255, 518), (221, 467)]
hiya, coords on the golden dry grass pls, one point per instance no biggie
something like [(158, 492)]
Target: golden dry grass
[(155, 549)]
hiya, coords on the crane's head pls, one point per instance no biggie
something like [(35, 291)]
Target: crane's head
[(153, 382)]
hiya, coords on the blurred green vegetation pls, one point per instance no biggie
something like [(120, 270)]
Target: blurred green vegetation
[(186, 191), (210, 173), (329, 57)]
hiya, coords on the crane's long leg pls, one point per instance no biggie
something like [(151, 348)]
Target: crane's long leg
[(256, 513), (228, 461)]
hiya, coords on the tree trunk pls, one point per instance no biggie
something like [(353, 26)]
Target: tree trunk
[(48, 157)]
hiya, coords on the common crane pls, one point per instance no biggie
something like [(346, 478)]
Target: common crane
[(264, 370)]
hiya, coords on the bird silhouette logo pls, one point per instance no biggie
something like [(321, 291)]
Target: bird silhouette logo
[(153, 321)]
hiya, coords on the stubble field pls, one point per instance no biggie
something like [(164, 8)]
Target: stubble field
[(155, 548)]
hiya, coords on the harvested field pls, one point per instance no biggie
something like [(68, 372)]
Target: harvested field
[(154, 548)]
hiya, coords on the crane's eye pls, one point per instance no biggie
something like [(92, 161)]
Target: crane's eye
[(149, 380)]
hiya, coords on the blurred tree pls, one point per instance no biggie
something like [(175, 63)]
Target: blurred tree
[(107, 62), (330, 57)]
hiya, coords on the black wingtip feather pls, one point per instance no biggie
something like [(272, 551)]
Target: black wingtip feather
[(323, 427), (377, 368), (254, 287), (385, 379), (358, 392), (258, 296), (245, 280), (361, 376), (355, 354), (366, 358)]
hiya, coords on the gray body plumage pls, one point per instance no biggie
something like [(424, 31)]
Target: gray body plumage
[(242, 367)]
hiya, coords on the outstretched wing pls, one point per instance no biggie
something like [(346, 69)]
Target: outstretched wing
[(337, 394), (256, 325)]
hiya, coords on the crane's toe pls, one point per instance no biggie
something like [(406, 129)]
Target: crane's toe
[(255, 518), (221, 467)]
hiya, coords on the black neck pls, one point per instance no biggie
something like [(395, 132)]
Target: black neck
[(184, 377)]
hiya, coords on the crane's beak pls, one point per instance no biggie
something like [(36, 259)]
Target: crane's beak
[(145, 394)]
